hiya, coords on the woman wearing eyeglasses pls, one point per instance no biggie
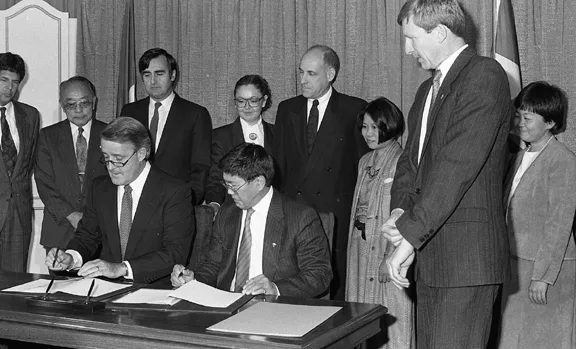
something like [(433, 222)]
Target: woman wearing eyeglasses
[(252, 96)]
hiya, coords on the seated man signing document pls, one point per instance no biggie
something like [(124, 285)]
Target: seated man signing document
[(264, 242), (140, 217)]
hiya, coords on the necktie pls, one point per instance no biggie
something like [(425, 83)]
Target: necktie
[(125, 218), (154, 124), (9, 153), (243, 261), (312, 124), (81, 154), (435, 85)]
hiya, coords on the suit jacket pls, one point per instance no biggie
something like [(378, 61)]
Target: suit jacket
[(161, 231), (325, 178), (56, 174), (184, 148), (453, 198), (295, 255), (16, 192), (541, 210), (225, 138)]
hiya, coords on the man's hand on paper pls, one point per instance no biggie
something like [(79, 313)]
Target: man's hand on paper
[(62, 261), (389, 227), (260, 285), (99, 267), (180, 275), (399, 262)]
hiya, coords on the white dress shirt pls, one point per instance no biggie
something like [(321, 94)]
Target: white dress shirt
[(162, 115), (257, 129), (322, 105), (85, 133), (11, 119)]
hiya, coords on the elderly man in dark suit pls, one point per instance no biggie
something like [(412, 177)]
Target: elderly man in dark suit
[(264, 242), (140, 217), (317, 147), (19, 129), (181, 130), (67, 160), (447, 191)]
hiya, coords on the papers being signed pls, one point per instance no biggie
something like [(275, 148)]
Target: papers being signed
[(208, 296), (78, 287)]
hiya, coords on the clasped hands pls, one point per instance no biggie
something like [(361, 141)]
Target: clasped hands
[(94, 268), (257, 285), (400, 260)]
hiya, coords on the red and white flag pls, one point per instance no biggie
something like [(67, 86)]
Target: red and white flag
[(127, 67)]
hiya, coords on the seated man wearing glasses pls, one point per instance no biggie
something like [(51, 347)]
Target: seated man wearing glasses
[(67, 157), (140, 217), (263, 242)]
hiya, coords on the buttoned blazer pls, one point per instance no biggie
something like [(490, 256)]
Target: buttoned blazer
[(325, 178), (161, 232), (18, 187), (541, 210), (184, 148), (57, 180), (295, 255), (453, 197), (225, 138)]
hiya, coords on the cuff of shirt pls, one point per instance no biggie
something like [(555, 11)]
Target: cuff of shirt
[(76, 258), (129, 273), (275, 287)]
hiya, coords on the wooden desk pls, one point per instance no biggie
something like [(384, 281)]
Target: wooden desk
[(153, 329)]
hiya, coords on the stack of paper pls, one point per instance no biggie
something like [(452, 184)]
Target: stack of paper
[(148, 296), (78, 287), (208, 296)]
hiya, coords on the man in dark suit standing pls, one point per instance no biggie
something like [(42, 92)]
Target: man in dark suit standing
[(181, 131), (140, 217), (67, 160), (317, 147), (447, 191), (19, 129), (264, 242)]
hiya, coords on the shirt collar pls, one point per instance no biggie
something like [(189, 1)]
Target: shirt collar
[(166, 102), (445, 66), (86, 128), (324, 99), (264, 203), (246, 125), (138, 184)]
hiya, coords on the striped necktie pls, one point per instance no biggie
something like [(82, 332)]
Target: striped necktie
[(243, 261)]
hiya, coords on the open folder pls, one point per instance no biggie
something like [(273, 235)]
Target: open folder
[(77, 287)]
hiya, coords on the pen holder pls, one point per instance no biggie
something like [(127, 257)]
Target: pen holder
[(65, 304)]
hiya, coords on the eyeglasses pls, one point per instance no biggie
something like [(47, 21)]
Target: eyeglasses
[(229, 187), (115, 163), (252, 102), (73, 106)]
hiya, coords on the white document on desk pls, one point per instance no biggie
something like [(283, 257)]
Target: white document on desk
[(148, 296), (276, 319), (208, 296), (78, 287)]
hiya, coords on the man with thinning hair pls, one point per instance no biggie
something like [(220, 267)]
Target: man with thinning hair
[(447, 191), (140, 217)]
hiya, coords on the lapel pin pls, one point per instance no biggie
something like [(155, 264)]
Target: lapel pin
[(273, 244)]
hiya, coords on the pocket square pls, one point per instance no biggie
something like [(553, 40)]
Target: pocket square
[(388, 180)]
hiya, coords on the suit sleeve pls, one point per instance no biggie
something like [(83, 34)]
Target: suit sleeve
[(480, 109), (559, 219), (200, 160), (210, 259), (58, 207), (313, 259), (177, 232), (215, 192), (88, 237), (278, 151)]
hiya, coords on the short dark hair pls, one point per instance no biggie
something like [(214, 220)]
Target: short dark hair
[(428, 14), (260, 83), (248, 161), (79, 79), (156, 52), (127, 130), (546, 100), (14, 63), (386, 115), (329, 56)]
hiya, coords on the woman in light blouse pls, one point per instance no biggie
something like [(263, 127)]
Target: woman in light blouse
[(540, 201)]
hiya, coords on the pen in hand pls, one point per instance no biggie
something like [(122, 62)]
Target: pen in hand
[(48, 289), (90, 291), (55, 257)]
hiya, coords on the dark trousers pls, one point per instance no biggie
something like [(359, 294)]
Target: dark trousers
[(14, 242), (454, 317)]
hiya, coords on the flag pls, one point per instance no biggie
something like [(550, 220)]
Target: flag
[(127, 66), (505, 47)]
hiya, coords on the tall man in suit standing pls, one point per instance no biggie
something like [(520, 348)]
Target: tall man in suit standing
[(19, 129), (447, 191), (317, 148), (181, 130), (140, 217), (67, 160), (263, 242)]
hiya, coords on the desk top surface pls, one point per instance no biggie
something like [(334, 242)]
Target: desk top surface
[(136, 328)]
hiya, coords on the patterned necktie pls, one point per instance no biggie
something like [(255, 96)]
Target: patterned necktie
[(125, 218), (312, 125), (243, 261), (435, 85), (9, 153), (81, 154), (154, 124)]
